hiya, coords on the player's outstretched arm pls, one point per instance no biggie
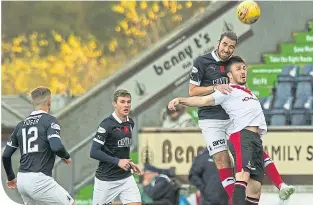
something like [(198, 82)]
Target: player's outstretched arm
[(197, 101)]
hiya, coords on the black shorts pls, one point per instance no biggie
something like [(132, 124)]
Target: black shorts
[(247, 150)]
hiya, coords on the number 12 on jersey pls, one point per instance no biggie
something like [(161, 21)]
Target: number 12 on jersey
[(28, 138)]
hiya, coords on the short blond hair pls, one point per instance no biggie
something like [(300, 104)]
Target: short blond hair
[(40, 96), (121, 93)]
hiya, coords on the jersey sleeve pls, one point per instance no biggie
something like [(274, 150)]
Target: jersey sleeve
[(12, 141), (102, 133), (54, 129), (196, 74), (219, 97)]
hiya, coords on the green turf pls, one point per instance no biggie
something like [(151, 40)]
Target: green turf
[(134, 157), (85, 193)]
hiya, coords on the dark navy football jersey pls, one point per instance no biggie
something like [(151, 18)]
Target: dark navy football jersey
[(31, 137), (208, 70), (115, 137)]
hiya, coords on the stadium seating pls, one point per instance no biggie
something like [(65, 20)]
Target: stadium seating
[(292, 99), (267, 106), (303, 89), (288, 74), (287, 77), (300, 115), (284, 90)]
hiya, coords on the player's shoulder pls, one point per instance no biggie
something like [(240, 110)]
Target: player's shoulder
[(18, 125), (48, 119), (106, 122), (206, 58), (131, 120)]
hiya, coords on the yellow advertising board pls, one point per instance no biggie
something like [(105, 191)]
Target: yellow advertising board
[(292, 152)]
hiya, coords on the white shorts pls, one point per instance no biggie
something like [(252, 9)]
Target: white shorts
[(38, 188), (214, 134), (105, 192)]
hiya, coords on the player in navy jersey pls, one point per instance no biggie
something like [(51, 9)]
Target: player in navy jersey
[(39, 141), (209, 74), (111, 147)]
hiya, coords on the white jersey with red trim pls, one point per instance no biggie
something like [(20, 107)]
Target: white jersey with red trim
[(243, 108)]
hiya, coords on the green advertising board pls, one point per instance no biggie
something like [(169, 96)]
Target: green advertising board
[(306, 37), (296, 48), (288, 59), (261, 92), (261, 78)]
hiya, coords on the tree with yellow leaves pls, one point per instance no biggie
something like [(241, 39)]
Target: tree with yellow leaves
[(70, 64), (145, 22)]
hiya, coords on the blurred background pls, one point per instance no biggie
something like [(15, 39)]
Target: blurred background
[(84, 51)]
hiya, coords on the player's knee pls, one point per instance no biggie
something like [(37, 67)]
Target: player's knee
[(242, 176), (222, 160), (74, 203)]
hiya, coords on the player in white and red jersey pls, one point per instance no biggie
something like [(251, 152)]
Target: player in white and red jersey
[(245, 130)]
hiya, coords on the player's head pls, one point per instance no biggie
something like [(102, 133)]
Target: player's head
[(226, 45), (236, 70), (122, 102), (41, 98)]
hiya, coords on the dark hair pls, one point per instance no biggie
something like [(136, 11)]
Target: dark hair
[(40, 95), (229, 34), (121, 93), (233, 60)]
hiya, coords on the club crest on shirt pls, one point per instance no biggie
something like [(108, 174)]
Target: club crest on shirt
[(222, 69), (126, 129)]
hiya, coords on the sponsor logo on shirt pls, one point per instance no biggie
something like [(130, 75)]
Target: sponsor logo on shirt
[(219, 81), (55, 126), (101, 130), (125, 142), (219, 142), (249, 98), (194, 70)]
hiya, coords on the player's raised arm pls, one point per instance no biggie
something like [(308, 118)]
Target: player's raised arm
[(197, 101), (54, 138), (216, 98), (10, 148), (97, 144)]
